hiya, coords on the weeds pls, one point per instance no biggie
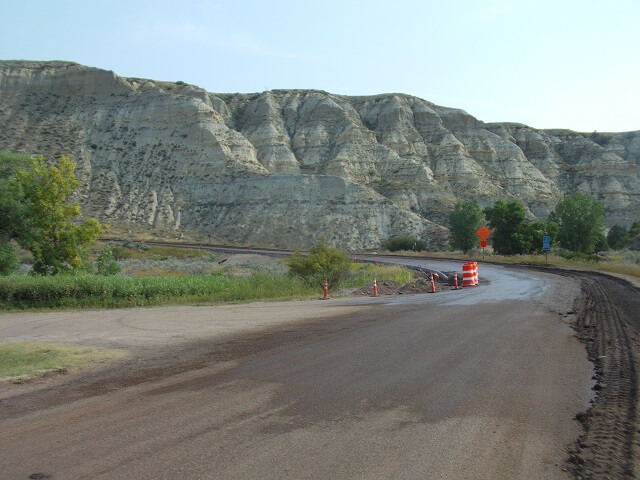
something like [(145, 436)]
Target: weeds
[(142, 251), (24, 292), (362, 274)]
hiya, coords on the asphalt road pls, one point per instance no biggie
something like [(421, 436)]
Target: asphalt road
[(475, 384)]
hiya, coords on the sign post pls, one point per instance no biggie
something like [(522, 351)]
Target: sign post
[(546, 246), (483, 232)]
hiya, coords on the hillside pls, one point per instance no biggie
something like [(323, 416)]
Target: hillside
[(282, 167)]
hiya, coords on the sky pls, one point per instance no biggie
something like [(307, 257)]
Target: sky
[(547, 64)]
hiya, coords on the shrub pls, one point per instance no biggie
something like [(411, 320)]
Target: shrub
[(580, 256), (404, 242), (619, 237), (140, 246), (106, 263), (322, 261), (8, 258)]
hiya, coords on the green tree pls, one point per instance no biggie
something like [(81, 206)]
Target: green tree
[(510, 232), (531, 234), (11, 207), (464, 221), (45, 225), (322, 261), (581, 222), (618, 237), (8, 258)]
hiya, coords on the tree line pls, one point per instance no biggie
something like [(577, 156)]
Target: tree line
[(577, 224), (36, 214)]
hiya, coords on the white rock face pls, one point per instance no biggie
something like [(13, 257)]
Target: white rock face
[(281, 168)]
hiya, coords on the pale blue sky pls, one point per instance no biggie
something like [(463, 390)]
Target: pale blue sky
[(563, 63)]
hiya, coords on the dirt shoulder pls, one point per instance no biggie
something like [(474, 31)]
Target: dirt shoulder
[(143, 328), (142, 331), (608, 324)]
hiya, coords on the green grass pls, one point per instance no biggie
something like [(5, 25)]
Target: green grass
[(20, 361), (362, 274), (159, 252), (24, 292)]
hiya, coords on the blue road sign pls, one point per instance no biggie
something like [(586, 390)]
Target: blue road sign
[(546, 243)]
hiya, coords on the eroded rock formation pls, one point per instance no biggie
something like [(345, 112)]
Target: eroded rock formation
[(281, 168)]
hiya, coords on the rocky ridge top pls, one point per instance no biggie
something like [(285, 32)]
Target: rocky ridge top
[(283, 167)]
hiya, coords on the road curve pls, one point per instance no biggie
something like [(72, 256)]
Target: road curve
[(480, 383)]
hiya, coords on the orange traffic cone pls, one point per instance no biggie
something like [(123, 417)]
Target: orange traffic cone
[(375, 287), (326, 289)]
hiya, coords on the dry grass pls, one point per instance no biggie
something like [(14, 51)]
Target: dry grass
[(20, 361)]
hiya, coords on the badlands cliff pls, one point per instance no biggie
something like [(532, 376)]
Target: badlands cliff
[(281, 168)]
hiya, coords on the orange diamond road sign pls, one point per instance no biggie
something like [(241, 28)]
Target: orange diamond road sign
[(483, 232)]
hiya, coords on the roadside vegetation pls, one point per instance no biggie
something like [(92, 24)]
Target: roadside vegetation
[(405, 242), (25, 291), (135, 274), (21, 361), (576, 229)]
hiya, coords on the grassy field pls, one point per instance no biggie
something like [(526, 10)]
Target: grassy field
[(26, 292), (156, 252), (22, 291), (20, 361)]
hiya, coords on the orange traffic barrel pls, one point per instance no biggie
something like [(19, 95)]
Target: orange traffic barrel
[(475, 273), (467, 275)]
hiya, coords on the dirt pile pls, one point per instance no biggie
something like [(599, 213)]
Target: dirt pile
[(387, 287)]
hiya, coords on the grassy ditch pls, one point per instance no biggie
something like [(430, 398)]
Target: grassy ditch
[(20, 361)]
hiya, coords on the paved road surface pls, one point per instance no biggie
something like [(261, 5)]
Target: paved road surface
[(477, 384)]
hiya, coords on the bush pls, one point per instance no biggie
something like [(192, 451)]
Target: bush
[(106, 263), (580, 256), (404, 242), (322, 261), (140, 246), (8, 258)]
